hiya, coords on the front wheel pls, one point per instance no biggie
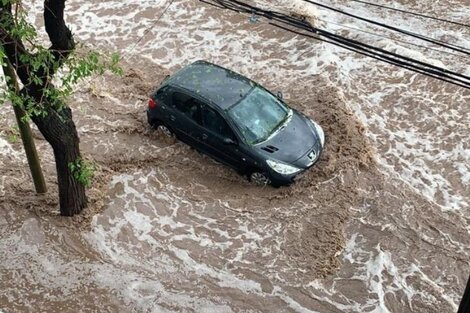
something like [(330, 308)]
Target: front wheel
[(259, 179)]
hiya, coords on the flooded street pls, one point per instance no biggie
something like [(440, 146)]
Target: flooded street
[(380, 224)]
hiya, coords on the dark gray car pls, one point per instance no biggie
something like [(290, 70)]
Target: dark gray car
[(237, 122)]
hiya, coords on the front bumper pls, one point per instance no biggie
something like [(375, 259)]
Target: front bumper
[(285, 180)]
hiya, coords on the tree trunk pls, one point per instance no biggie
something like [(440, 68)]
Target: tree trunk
[(72, 196), (59, 130)]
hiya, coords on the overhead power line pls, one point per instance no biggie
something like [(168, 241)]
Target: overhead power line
[(396, 29), (350, 44), (148, 29), (382, 58), (379, 57), (412, 13), (391, 39)]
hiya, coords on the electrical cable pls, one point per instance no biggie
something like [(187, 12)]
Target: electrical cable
[(148, 29), (307, 26), (378, 53), (374, 56), (396, 29), (412, 13), (391, 39)]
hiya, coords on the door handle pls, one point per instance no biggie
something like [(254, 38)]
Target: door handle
[(204, 136)]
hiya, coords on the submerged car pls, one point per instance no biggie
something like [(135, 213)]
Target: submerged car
[(237, 122)]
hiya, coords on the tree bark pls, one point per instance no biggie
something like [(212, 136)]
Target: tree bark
[(59, 130)]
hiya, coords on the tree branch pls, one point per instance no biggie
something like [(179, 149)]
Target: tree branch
[(59, 34), (13, 47)]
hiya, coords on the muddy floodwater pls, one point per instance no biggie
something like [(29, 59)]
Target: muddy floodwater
[(380, 224)]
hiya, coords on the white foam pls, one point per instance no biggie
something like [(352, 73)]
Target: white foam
[(6, 149)]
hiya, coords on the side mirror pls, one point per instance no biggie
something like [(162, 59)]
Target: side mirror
[(280, 95), (229, 142)]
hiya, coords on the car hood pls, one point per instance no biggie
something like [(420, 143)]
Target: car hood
[(292, 143)]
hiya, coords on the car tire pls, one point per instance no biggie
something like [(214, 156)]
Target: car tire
[(164, 129), (259, 178)]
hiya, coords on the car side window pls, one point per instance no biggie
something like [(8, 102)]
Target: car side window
[(164, 95), (187, 105), (214, 122)]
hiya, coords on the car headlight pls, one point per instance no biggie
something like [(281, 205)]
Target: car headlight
[(320, 132), (283, 168)]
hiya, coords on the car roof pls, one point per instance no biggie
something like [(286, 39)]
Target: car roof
[(219, 85)]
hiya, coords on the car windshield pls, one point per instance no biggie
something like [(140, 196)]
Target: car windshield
[(258, 115)]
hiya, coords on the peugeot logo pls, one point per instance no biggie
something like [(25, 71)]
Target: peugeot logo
[(311, 155)]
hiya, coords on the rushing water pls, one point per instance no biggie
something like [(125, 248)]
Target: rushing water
[(379, 225)]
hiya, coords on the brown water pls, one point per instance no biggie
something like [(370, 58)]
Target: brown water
[(378, 225)]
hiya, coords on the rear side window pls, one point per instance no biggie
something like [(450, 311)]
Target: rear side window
[(164, 95), (187, 105), (214, 122)]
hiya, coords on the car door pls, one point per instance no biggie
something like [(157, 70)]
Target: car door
[(220, 139), (185, 117)]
